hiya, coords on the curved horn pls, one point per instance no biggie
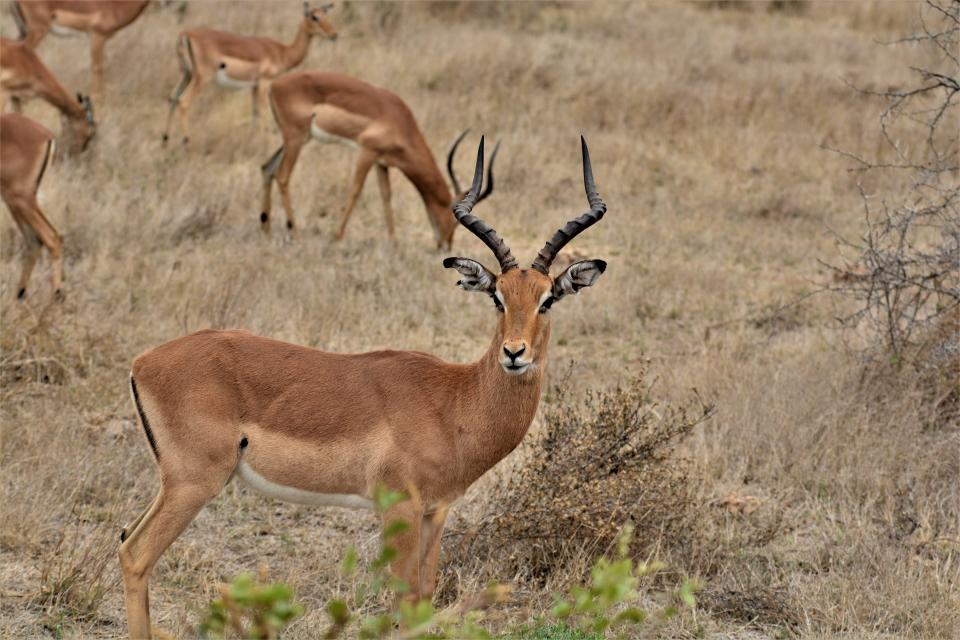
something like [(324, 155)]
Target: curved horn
[(453, 177), (577, 225), (488, 189), (478, 227)]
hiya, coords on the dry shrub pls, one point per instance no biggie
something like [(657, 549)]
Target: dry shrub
[(593, 466)]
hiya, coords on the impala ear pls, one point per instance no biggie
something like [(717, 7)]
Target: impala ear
[(476, 277), (306, 9), (577, 276)]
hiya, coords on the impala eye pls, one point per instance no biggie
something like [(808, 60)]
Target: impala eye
[(547, 304)]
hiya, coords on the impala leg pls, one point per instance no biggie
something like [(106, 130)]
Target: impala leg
[(183, 104), (364, 163), (261, 97), (269, 172), (291, 151), (406, 564), (431, 535), (173, 509), (383, 179), (38, 233), (97, 42), (175, 101)]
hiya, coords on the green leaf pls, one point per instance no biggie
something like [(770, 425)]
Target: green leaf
[(385, 498), (562, 609), (630, 615), (338, 611), (395, 528), (349, 563)]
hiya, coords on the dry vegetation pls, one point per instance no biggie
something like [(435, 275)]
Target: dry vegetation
[(817, 501)]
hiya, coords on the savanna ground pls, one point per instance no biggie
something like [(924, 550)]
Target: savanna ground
[(707, 127)]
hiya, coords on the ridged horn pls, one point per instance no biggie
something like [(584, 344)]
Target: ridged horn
[(576, 226), (476, 226)]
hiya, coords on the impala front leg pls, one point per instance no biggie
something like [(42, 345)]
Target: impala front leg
[(366, 160), (383, 179), (97, 42)]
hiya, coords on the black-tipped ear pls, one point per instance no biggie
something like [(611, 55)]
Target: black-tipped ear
[(577, 276), (306, 9), (476, 276)]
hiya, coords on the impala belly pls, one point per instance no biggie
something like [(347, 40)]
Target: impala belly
[(320, 135), (292, 494), (223, 78), (68, 23)]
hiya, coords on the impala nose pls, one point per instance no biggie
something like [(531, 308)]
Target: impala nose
[(513, 355)]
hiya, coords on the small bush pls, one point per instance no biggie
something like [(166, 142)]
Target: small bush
[(593, 466)]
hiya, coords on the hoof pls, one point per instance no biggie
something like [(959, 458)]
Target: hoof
[(186, 139), (289, 224), (22, 293), (58, 295), (165, 138), (264, 217)]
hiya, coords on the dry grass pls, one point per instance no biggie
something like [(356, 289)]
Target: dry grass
[(705, 125)]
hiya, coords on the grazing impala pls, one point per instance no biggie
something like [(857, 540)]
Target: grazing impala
[(331, 107), (23, 75), (101, 19), (322, 428), (26, 149), (240, 62)]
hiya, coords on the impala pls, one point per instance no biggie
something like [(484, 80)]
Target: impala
[(321, 428), (101, 19), (240, 62), (331, 107), (26, 149), (23, 75)]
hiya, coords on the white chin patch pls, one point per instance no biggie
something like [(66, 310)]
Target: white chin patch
[(514, 370)]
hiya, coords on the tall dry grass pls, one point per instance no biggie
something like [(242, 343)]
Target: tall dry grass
[(706, 125)]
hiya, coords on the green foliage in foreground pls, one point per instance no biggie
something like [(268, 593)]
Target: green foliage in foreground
[(607, 604), (248, 609)]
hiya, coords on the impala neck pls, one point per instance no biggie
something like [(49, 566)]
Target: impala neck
[(296, 51), (55, 94), (436, 195), (502, 407)]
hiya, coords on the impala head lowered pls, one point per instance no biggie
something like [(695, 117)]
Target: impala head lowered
[(523, 297)]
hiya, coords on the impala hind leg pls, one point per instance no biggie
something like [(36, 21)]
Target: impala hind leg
[(38, 233), (288, 160), (269, 172), (364, 163), (172, 510), (175, 100), (383, 179)]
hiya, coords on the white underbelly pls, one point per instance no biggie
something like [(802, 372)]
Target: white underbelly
[(223, 80), (321, 135), (291, 494), (60, 30)]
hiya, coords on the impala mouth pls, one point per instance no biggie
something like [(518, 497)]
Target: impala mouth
[(515, 368)]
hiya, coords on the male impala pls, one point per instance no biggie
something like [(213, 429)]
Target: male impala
[(240, 62), (101, 19), (23, 75), (26, 148), (331, 107), (322, 428)]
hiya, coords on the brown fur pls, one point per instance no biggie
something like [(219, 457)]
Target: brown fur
[(23, 75), (375, 119), (331, 423), (101, 19), (247, 58), (25, 151)]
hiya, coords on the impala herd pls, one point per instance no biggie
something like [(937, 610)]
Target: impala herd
[(296, 423)]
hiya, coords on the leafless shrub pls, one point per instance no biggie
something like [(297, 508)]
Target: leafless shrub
[(592, 467), (905, 278)]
